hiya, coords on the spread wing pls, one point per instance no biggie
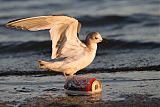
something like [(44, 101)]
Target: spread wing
[(63, 32)]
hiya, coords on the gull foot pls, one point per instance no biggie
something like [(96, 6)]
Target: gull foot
[(41, 64)]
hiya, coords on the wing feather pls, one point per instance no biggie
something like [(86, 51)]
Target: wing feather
[(63, 32), (39, 23), (57, 37)]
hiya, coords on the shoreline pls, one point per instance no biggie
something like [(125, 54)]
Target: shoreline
[(84, 71)]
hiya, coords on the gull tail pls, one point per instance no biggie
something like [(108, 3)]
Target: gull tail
[(49, 65)]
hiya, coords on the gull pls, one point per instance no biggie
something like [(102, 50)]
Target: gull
[(69, 54)]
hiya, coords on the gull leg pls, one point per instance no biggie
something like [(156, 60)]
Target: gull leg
[(69, 71), (64, 75), (71, 75)]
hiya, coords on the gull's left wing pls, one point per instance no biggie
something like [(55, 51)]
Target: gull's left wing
[(40, 22), (63, 31)]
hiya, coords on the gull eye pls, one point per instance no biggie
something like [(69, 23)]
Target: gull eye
[(96, 38)]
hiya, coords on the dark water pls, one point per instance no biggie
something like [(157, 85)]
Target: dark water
[(131, 32)]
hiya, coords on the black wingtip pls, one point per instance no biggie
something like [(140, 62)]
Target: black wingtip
[(8, 25), (16, 20)]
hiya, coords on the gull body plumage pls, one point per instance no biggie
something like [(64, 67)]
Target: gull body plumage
[(69, 54)]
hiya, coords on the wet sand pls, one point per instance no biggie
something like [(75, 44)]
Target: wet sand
[(71, 101), (83, 101), (121, 89)]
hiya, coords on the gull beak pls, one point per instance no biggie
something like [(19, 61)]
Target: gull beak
[(101, 40)]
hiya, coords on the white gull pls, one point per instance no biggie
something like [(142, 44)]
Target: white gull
[(69, 54)]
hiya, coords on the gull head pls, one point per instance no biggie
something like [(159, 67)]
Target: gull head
[(94, 37)]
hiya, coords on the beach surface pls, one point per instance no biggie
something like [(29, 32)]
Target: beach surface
[(122, 89), (127, 61)]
